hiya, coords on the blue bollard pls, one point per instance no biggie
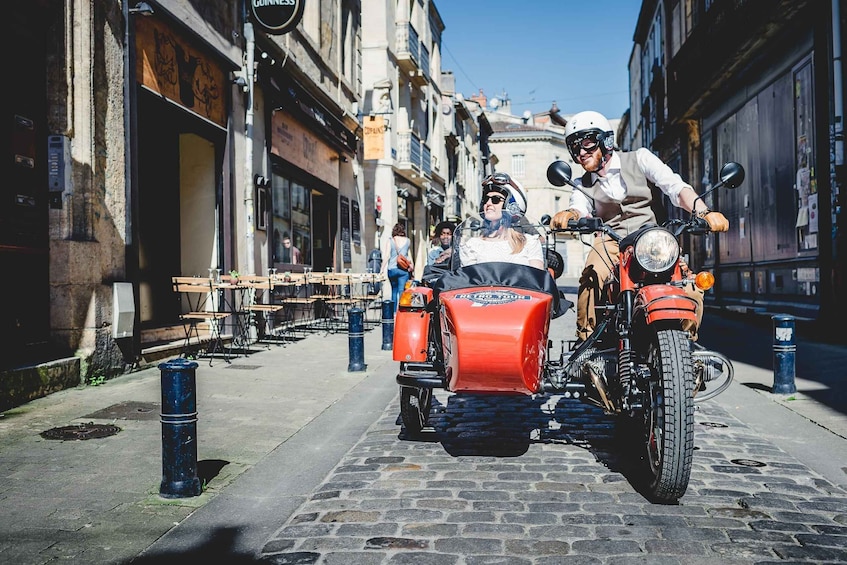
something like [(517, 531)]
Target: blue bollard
[(784, 349), (179, 430), (387, 325), (356, 339)]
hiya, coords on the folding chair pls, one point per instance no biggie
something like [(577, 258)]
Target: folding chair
[(259, 306), (199, 303)]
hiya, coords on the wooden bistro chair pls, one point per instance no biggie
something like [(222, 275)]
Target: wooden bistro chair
[(200, 304), (297, 298), (259, 306), (340, 299)]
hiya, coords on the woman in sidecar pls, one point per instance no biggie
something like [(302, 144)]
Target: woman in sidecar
[(502, 235), (480, 322)]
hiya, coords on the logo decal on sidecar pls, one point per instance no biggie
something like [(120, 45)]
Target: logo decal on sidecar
[(489, 297)]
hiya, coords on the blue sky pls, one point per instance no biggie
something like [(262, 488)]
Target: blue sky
[(537, 51)]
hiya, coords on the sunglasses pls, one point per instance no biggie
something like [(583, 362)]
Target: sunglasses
[(495, 199)]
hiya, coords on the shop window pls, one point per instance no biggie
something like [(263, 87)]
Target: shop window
[(291, 222)]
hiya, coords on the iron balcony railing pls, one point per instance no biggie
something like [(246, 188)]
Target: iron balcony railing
[(413, 154)]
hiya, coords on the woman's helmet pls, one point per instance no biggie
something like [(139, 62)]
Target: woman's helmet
[(591, 126), (515, 204)]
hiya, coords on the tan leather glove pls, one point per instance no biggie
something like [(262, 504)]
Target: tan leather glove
[(560, 220), (716, 221)]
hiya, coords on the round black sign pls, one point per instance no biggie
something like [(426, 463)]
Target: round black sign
[(277, 16)]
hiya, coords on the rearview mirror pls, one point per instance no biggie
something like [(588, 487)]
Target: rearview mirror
[(732, 175), (559, 173)]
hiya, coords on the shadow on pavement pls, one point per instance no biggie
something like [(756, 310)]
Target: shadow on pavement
[(472, 425), (218, 549)]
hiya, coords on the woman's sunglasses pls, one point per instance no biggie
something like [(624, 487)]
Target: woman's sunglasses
[(496, 199)]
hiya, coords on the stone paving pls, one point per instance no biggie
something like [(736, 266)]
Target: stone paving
[(519, 480)]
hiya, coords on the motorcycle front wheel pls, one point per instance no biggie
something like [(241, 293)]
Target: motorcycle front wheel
[(669, 416)]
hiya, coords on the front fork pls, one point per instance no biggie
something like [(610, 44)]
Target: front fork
[(630, 372)]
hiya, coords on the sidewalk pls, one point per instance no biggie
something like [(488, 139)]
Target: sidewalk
[(273, 424), (97, 501)]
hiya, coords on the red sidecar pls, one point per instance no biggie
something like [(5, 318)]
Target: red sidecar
[(493, 339), (481, 329)]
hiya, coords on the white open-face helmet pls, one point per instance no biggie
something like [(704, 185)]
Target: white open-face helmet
[(515, 204), (587, 128)]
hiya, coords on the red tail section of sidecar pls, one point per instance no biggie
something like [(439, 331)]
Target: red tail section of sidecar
[(495, 339), (411, 330)]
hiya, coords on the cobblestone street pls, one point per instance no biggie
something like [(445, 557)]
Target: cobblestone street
[(542, 481)]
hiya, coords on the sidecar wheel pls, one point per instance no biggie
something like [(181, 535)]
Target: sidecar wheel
[(669, 416), (713, 374), (415, 404)]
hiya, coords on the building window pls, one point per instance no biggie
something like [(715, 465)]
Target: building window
[(291, 222), (518, 166)]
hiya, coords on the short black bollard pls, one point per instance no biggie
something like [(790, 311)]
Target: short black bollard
[(356, 339), (387, 325), (179, 430), (784, 349)]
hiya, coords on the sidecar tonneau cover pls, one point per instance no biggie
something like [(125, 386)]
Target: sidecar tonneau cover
[(501, 274)]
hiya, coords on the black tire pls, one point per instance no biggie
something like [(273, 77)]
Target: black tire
[(669, 418), (415, 404)]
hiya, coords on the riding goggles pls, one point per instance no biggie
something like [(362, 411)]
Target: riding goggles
[(587, 141), (499, 179)]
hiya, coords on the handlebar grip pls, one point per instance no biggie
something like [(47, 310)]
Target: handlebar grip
[(699, 225)]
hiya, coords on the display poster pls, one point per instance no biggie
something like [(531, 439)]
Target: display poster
[(345, 230)]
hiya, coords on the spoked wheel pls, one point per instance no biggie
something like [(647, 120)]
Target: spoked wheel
[(415, 403), (670, 416), (713, 373)]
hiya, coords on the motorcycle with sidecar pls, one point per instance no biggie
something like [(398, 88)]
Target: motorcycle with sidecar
[(484, 329)]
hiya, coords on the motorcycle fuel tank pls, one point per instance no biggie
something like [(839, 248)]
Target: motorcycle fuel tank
[(495, 339)]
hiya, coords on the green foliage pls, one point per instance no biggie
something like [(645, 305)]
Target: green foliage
[(96, 379)]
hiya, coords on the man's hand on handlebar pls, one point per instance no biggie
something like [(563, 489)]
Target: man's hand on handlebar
[(560, 220), (716, 220)]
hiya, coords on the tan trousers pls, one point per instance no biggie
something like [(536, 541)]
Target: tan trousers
[(603, 256)]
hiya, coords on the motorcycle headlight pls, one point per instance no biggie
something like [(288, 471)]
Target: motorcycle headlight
[(656, 251)]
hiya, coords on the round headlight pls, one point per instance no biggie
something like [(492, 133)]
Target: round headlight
[(656, 250)]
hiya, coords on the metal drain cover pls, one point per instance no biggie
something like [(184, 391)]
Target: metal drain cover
[(81, 431), (129, 410)]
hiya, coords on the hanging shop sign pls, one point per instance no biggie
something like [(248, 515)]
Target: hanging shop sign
[(374, 132), (171, 66), (277, 16)]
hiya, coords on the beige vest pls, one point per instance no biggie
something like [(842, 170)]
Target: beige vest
[(635, 209)]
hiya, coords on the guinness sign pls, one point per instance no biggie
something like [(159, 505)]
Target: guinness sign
[(277, 16)]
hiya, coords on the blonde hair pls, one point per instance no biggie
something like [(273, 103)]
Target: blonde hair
[(517, 241)]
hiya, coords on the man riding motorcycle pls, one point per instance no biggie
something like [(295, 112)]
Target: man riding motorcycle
[(620, 185)]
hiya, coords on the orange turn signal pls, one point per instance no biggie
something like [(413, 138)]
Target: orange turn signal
[(704, 280), (409, 299), (405, 298)]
